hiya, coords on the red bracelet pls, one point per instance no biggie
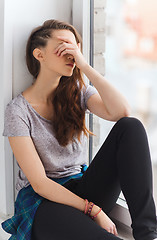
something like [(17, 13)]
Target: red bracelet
[(96, 213), (88, 210), (86, 206)]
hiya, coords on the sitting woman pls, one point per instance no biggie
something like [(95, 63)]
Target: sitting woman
[(59, 196)]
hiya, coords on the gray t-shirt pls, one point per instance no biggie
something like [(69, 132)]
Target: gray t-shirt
[(21, 119)]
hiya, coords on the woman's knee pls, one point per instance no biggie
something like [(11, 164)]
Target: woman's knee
[(131, 123)]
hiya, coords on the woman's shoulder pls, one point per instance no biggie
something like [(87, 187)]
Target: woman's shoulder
[(17, 100), (16, 122), (89, 88), (16, 104), (87, 91)]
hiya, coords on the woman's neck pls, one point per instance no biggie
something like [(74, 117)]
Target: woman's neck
[(44, 86)]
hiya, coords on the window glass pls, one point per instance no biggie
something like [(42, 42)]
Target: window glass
[(128, 59)]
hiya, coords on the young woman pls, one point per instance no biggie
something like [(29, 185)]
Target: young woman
[(59, 197)]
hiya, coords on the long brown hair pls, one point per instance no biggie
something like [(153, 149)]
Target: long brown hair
[(69, 117)]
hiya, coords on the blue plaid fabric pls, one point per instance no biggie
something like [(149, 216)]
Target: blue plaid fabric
[(27, 202)]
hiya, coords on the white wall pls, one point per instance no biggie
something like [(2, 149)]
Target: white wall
[(17, 18), (6, 166), (27, 15)]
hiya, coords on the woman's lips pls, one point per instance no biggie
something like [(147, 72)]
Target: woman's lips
[(71, 65)]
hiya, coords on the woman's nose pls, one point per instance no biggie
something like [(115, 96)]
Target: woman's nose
[(70, 57)]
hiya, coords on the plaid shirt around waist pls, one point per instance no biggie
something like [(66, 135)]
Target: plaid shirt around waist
[(27, 202)]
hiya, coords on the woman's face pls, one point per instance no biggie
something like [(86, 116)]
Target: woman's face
[(54, 63)]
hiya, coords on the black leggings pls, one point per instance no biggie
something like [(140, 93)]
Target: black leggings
[(122, 163)]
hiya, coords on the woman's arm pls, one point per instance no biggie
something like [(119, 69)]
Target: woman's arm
[(109, 103), (30, 163)]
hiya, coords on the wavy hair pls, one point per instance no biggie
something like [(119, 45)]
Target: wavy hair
[(69, 117)]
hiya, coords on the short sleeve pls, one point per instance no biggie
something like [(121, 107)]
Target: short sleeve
[(15, 122), (87, 92)]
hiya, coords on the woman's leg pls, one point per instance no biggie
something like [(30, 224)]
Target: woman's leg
[(62, 222), (123, 162)]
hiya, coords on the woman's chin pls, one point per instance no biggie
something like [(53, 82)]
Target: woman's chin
[(68, 74)]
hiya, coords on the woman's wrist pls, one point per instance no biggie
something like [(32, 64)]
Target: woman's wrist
[(95, 210), (91, 209)]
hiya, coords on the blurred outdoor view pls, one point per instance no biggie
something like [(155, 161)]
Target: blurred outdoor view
[(131, 66)]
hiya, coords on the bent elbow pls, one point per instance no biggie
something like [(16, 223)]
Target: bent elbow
[(36, 188), (39, 186), (127, 111)]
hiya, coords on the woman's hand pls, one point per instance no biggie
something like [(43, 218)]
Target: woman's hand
[(105, 222), (68, 47)]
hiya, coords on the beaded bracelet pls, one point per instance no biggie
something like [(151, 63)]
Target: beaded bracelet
[(90, 209)]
